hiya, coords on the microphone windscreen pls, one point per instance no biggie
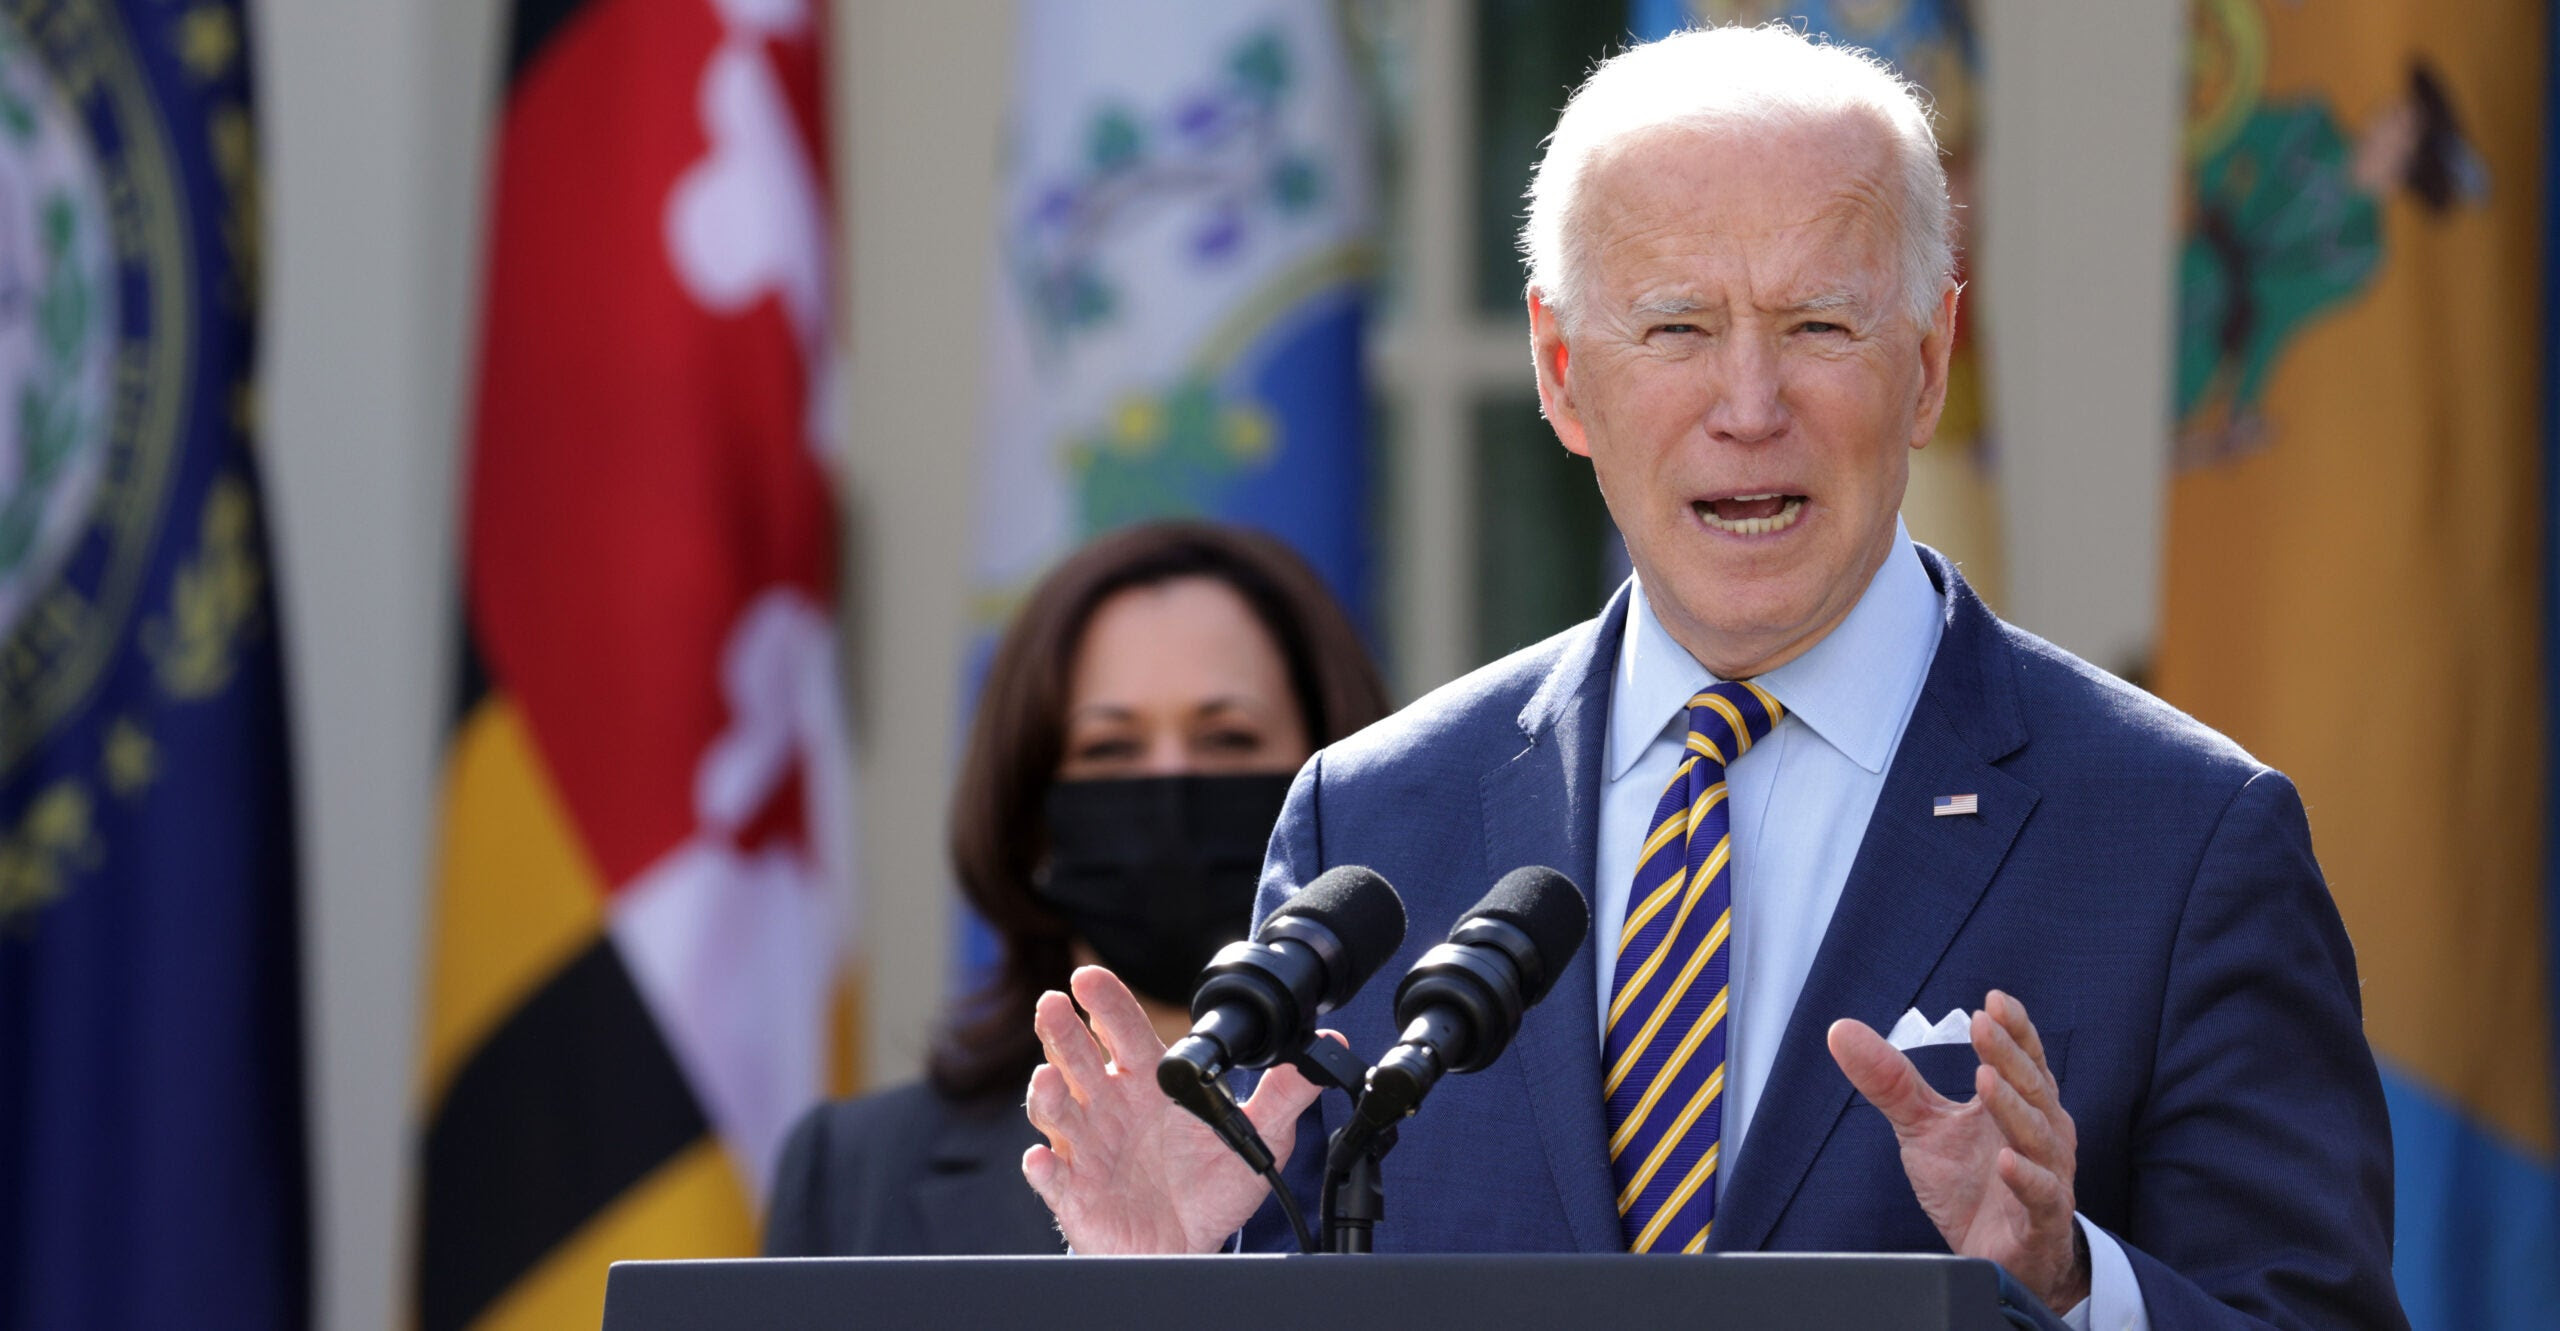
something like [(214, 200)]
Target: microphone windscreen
[(1361, 910), (1545, 905)]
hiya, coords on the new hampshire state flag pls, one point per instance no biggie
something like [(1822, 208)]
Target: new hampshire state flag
[(2358, 560), (151, 1148), (1179, 289)]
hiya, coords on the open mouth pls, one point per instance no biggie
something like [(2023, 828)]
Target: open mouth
[(1750, 515)]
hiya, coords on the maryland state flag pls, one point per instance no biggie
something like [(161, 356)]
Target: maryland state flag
[(646, 807), (151, 1144), (2356, 570)]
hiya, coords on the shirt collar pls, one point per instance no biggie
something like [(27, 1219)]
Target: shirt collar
[(1855, 688)]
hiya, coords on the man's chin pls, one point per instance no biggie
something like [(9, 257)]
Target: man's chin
[(1737, 634)]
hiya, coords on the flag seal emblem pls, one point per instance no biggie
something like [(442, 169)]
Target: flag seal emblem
[(95, 352)]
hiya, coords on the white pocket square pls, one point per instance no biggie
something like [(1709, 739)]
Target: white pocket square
[(1915, 1032)]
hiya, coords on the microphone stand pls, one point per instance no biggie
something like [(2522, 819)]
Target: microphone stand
[(1328, 1063), (1355, 1195), (1322, 1061)]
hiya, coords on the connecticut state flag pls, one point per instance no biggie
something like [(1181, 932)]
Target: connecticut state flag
[(1180, 288), (640, 899), (151, 1116)]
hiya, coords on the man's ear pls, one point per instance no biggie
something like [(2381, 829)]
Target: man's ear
[(1555, 378), (1935, 350)]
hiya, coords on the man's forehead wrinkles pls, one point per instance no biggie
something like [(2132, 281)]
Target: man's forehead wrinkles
[(1676, 237), (1655, 218), (1806, 276), (1803, 267)]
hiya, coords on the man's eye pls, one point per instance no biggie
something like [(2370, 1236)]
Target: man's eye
[(1820, 326), (1676, 328)]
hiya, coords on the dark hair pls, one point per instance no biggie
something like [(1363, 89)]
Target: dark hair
[(997, 835)]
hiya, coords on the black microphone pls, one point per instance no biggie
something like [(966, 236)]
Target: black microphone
[(1462, 1002), (1258, 1001)]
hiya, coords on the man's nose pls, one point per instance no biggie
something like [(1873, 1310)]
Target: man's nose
[(1747, 404)]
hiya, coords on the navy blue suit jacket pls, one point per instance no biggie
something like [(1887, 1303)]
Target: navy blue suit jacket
[(2145, 887)]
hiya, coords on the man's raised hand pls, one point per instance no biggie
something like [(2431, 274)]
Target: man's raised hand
[(1994, 1173), (1127, 1170)]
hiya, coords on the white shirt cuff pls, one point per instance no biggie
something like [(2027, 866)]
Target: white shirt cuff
[(2115, 1297)]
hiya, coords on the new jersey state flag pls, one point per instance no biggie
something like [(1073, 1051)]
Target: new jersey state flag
[(638, 917), (2357, 578), (151, 1099)]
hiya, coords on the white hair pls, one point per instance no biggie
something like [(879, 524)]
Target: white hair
[(1736, 80)]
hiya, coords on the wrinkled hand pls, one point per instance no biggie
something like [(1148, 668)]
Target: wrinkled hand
[(1993, 1173), (1126, 1169)]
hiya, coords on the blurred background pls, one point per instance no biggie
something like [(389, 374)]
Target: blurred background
[(2253, 414)]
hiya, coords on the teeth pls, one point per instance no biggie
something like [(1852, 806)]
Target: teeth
[(1784, 518)]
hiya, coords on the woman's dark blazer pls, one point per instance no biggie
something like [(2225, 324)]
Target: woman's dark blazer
[(907, 1173)]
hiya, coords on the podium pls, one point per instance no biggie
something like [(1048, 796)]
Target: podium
[(1249, 1293)]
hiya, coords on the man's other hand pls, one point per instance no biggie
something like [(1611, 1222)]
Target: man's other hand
[(1126, 1169), (1994, 1173)]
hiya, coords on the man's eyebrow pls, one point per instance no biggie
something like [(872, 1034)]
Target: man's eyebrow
[(1839, 298), (1659, 307), (1670, 306)]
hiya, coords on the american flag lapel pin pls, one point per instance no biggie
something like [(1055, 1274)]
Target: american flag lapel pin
[(1955, 806)]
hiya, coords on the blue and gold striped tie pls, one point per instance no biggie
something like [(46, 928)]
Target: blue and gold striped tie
[(1668, 1012)]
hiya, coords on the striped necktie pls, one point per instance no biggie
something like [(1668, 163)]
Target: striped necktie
[(1668, 1014)]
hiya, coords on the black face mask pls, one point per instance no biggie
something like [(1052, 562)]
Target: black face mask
[(1157, 873)]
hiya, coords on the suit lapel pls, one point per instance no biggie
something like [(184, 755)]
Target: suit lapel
[(1916, 880), (1543, 807)]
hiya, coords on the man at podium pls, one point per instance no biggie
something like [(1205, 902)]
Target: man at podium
[(1911, 931)]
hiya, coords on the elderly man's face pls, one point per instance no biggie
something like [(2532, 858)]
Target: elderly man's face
[(1746, 377)]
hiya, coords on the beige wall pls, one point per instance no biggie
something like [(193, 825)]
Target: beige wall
[(374, 116), (2079, 214), (924, 89), (371, 112)]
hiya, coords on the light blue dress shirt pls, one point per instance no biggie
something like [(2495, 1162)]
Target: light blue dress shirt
[(1800, 801)]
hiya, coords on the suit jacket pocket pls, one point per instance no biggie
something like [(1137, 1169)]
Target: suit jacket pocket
[(1948, 1068)]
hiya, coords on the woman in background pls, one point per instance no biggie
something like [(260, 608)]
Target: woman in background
[(1136, 735)]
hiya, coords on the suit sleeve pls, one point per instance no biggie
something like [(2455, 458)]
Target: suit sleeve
[(1294, 859), (2262, 1159), (795, 1223)]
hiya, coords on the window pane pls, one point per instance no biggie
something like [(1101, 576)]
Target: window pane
[(1530, 56), (1546, 554)]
